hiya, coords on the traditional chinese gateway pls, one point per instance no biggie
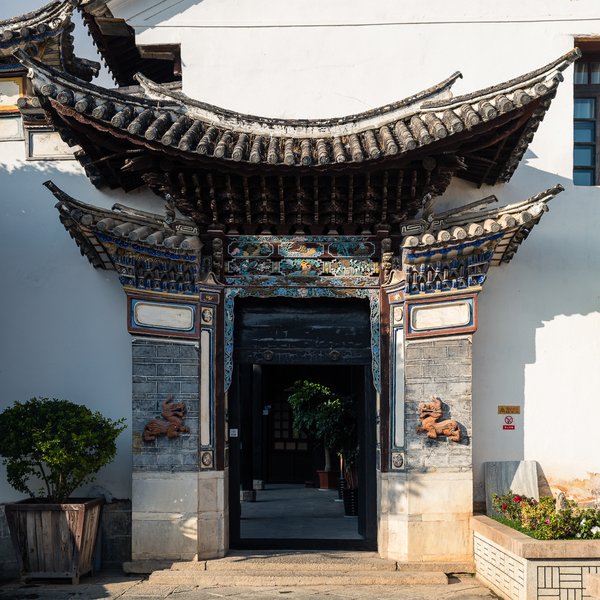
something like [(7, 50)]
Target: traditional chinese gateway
[(310, 243)]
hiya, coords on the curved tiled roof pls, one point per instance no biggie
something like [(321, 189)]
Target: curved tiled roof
[(51, 22), (86, 222), (174, 122), (361, 173), (35, 25), (508, 225)]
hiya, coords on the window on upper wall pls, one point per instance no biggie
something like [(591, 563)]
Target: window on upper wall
[(586, 115)]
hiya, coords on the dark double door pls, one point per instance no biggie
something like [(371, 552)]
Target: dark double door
[(279, 341)]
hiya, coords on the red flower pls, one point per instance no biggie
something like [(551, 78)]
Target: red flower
[(504, 506), (518, 499)]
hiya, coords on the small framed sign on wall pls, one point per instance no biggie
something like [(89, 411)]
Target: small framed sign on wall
[(44, 143)]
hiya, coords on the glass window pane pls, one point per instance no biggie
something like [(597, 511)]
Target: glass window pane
[(585, 131), (583, 177), (581, 73), (595, 72), (585, 108), (583, 156)]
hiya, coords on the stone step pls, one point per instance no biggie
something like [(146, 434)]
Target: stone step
[(443, 566), (292, 562), (279, 578), (297, 562)]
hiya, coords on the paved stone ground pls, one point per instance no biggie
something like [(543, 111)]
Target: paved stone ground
[(117, 586)]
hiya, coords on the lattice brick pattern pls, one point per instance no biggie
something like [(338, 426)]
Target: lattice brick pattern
[(503, 570), (563, 582)]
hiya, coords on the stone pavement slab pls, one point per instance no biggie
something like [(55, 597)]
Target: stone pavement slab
[(119, 587)]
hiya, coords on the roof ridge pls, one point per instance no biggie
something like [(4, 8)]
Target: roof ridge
[(560, 64), (56, 6), (151, 87)]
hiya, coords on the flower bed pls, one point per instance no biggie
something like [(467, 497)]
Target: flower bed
[(547, 519), (518, 567)]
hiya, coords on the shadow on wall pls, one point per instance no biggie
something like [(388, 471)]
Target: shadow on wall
[(63, 322), (536, 345)]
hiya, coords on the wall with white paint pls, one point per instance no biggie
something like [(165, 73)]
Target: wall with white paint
[(63, 324)]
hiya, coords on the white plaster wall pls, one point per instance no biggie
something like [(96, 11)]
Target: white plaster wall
[(537, 343), (62, 323)]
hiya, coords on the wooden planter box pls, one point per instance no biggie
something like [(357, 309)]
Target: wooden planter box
[(54, 540), (518, 567)]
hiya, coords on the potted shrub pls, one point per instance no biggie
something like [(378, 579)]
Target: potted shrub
[(319, 412), (316, 412), (50, 447)]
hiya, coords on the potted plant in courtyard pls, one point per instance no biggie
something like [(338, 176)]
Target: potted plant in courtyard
[(329, 418), (50, 447)]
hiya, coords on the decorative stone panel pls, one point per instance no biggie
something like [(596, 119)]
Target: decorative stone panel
[(162, 369), (427, 497), (438, 367)]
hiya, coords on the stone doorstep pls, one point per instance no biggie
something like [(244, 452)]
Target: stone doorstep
[(254, 562), (467, 567), (593, 585), (259, 569), (277, 578), (292, 562)]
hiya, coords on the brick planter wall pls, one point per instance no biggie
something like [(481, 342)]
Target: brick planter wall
[(519, 567)]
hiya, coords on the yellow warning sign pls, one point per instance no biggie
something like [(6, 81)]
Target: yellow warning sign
[(506, 409)]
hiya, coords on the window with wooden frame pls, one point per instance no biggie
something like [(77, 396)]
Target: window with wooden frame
[(586, 115)]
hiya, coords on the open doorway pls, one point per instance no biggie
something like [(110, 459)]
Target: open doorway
[(275, 499)]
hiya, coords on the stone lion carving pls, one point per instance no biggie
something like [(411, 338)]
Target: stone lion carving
[(171, 423), (430, 413)]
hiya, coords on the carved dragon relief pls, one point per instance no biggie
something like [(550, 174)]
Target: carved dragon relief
[(171, 424), (430, 413)]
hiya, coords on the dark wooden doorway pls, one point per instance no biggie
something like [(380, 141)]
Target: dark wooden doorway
[(278, 341)]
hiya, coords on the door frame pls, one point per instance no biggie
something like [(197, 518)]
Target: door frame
[(367, 436)]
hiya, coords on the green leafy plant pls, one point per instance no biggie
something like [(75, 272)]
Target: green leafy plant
[(541, 520), (56, 443), (511, 505), (322, 414)]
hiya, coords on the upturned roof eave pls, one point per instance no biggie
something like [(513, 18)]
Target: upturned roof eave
[(52, 10), (505, 228), (49, 24), (387, 133)]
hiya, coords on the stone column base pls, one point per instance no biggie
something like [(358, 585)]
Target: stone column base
[(178, 516), (425, 516)]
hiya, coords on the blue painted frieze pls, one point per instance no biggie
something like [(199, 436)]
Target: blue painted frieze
[(302, 260)]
